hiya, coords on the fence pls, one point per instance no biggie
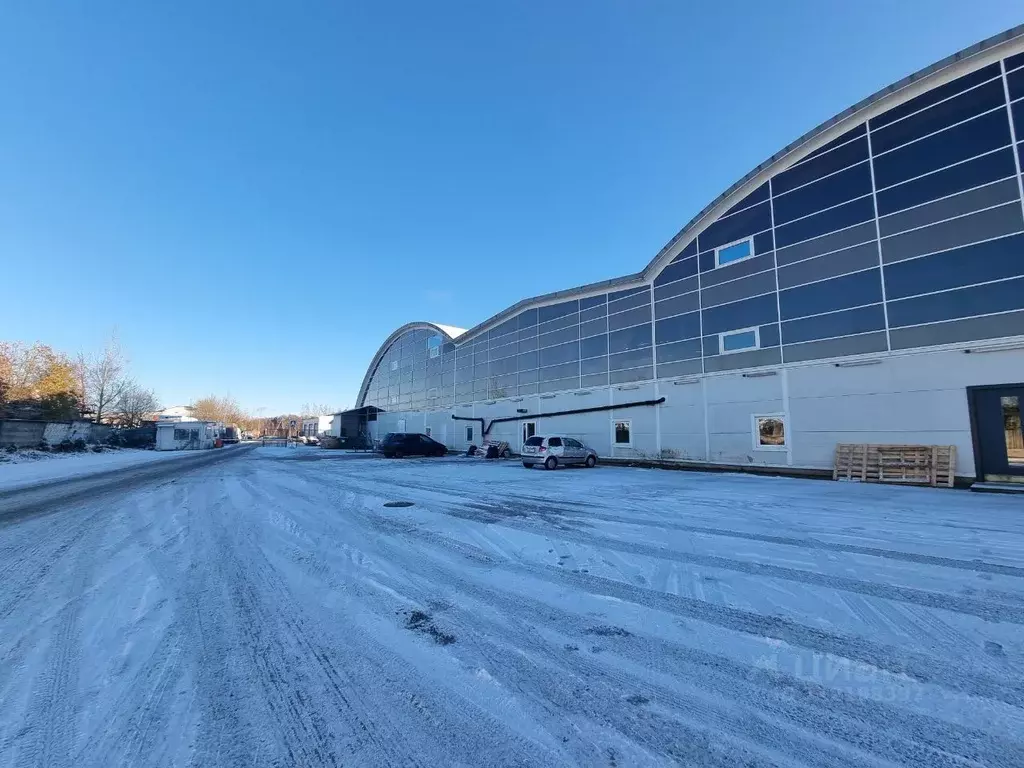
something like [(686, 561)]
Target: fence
[(278, 442)]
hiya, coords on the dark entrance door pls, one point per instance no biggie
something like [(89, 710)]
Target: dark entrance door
[(998, 432)]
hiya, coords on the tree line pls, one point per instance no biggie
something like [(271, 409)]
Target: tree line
[(226, 409), (37, 381)]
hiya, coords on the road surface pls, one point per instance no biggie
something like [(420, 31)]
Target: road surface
[(268, 610)]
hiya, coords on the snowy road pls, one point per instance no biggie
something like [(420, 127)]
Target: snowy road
[(269, 611)]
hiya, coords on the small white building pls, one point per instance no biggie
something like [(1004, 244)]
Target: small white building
[(316, 426), (187, 435)]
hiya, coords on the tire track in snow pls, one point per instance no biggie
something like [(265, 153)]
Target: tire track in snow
[(935, 742), (583, 513), (252, 582), (941, 745), (989, 611), (138, 715), (924, 668), (919, 666), (466, 728), (979, 566), (50, 723)]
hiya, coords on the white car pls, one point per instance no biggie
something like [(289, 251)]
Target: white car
[(553, 450)]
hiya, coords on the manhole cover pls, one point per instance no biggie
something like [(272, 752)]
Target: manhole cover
[(397, 503)]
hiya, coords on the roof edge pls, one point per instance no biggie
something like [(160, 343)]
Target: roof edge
[(413, 326), (628, 281)]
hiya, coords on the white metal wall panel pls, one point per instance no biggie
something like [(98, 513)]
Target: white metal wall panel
[(682, 421)]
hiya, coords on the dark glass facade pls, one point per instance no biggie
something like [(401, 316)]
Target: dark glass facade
[(906, 230)]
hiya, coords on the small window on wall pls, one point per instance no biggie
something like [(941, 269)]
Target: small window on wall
[(739, 341), (469, 434), (427, 431), (394, 365), (727, 254), (623, 434), (770, 432)]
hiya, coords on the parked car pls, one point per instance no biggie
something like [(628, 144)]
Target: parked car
[(399, 444), (557, 449)]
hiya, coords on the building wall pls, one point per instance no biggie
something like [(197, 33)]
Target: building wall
[(917, 398), (316, 425), (897, 237)]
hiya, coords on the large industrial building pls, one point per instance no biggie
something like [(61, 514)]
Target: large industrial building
[(863, 285)]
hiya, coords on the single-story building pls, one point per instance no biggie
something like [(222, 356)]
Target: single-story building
[(187, 436), (316, 426), (354, 427)]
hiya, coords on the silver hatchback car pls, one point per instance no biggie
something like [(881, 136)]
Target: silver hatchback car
[(555, 450)]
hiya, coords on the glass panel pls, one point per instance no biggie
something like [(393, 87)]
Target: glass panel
[(736, 341), (622, 432), (734, 252), (1012, 431)]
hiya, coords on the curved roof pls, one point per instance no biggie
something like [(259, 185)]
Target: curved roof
[(810, 141), (448, 333), (906, 88)]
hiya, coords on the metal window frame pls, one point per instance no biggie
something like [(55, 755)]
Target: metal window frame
[(756, 433), (721, 340), (629, 428), (718, 251)]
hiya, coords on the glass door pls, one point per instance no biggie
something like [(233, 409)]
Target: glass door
[(999, 433), (529, 430), (1013, 435)]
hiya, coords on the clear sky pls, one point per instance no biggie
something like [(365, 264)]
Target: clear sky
[(256, 193)]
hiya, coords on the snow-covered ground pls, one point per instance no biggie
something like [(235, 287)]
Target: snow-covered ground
[(269, 610), (31, 467)]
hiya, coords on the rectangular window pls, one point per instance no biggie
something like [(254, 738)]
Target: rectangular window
[(770, 432), (623, 434), (427, 431), (394, 365), (738, 341), (469, 434), (727, 254)]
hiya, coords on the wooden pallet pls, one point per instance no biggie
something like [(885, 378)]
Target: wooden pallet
[(943, 465), (909, 464)]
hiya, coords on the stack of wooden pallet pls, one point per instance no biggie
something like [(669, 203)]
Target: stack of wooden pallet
[(909, 464)]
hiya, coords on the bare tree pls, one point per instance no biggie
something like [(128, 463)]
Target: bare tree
[(216, 408), (134, 404), (105, 378), (318, 409)]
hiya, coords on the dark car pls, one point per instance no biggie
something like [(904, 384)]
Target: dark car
[(398, 444)]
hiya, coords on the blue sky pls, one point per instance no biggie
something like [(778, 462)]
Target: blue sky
[(256, 194)]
